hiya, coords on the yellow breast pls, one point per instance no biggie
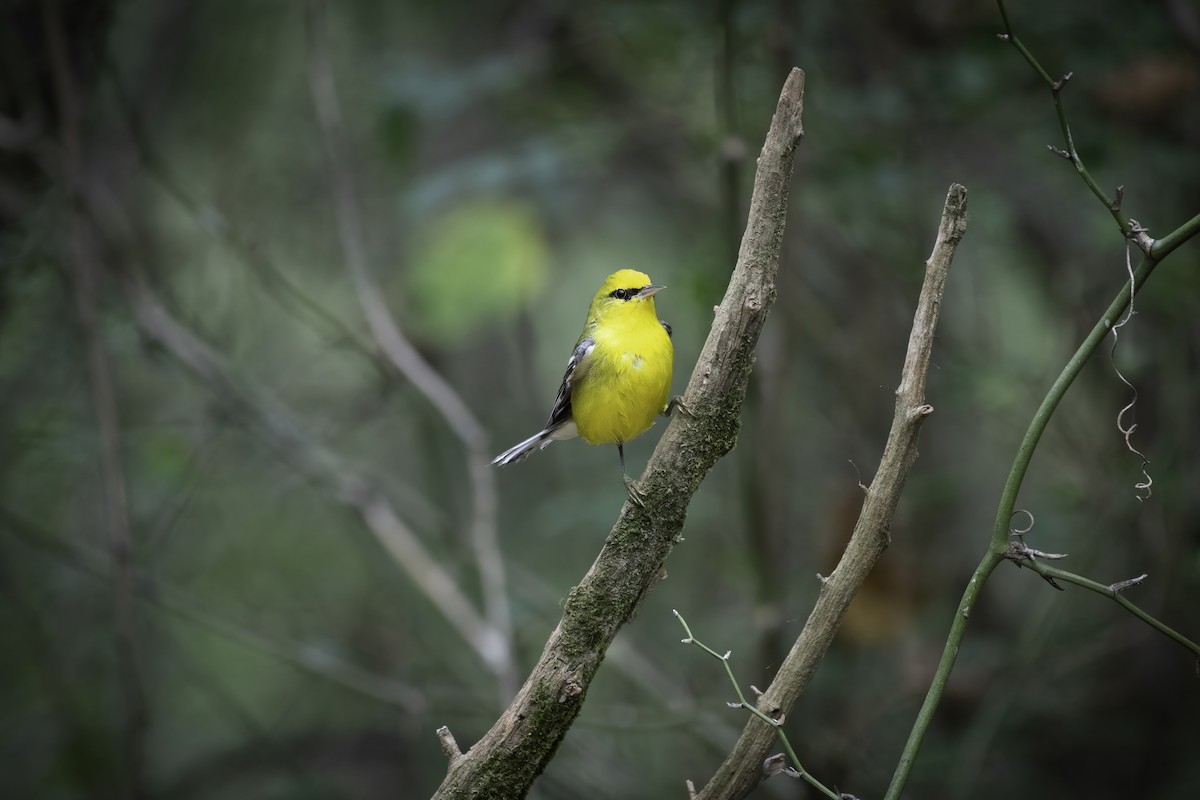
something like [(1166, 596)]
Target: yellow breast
[(627, 384)]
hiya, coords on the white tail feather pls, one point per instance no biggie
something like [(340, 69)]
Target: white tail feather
[(519, 452), (540, 440)]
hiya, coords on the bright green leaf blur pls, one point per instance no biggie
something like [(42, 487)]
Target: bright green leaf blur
[(479, 265)]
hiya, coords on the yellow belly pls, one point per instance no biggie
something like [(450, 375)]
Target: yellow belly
[(627, 385)]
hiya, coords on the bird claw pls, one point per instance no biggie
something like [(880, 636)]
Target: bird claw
[(636, 496), (677, 403)]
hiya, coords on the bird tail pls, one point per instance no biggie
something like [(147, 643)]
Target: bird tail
[(519, 452)]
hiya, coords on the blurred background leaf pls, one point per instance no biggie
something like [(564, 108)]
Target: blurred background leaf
[(476, 268)]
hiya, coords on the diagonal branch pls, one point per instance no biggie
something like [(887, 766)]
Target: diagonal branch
[(403, 356), (514, 752), (742, 771)]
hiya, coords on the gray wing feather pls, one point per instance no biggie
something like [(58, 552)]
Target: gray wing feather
[(560, 413)]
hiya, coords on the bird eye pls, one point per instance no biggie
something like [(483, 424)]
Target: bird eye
[(621, 294)]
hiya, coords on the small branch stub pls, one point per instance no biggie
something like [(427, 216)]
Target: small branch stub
[(920, 411), (449, 745), (1120, 586), (773, 765), (1116, 203)]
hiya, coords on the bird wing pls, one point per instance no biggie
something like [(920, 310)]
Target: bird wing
[(577, 367)]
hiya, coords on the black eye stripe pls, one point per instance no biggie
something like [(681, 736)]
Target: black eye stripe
[(624, 294)]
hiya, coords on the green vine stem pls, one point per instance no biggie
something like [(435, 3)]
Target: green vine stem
[(777, 724), (998, 545), (1114, 591), (1162, 247), (1155, 252)]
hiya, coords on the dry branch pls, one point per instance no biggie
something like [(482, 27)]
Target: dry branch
[(505, 762), (742, 769)]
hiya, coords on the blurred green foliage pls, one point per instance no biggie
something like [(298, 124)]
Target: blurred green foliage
[(507, 156), (476, 268)]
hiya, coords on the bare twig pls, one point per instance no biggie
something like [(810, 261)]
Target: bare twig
[(773, 764), (1128, 583), (741, 770), (404, 357), (1129, 229), (520, 744)]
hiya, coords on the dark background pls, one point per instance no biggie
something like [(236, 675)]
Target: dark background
[(505, 157)]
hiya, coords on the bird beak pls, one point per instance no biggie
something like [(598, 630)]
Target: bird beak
[(649, 291)]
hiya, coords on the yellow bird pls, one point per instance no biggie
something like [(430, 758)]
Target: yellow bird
[(618, 378)]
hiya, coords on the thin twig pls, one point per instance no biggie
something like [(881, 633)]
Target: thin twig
[(775, 722), (1128, 230), (489, 558)]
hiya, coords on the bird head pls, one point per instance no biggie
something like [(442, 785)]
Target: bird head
[(626, 291)]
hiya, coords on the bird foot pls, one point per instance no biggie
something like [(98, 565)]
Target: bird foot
[(636, 496), (677, 403)]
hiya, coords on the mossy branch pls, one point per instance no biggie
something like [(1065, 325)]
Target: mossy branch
[(505, 762)]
